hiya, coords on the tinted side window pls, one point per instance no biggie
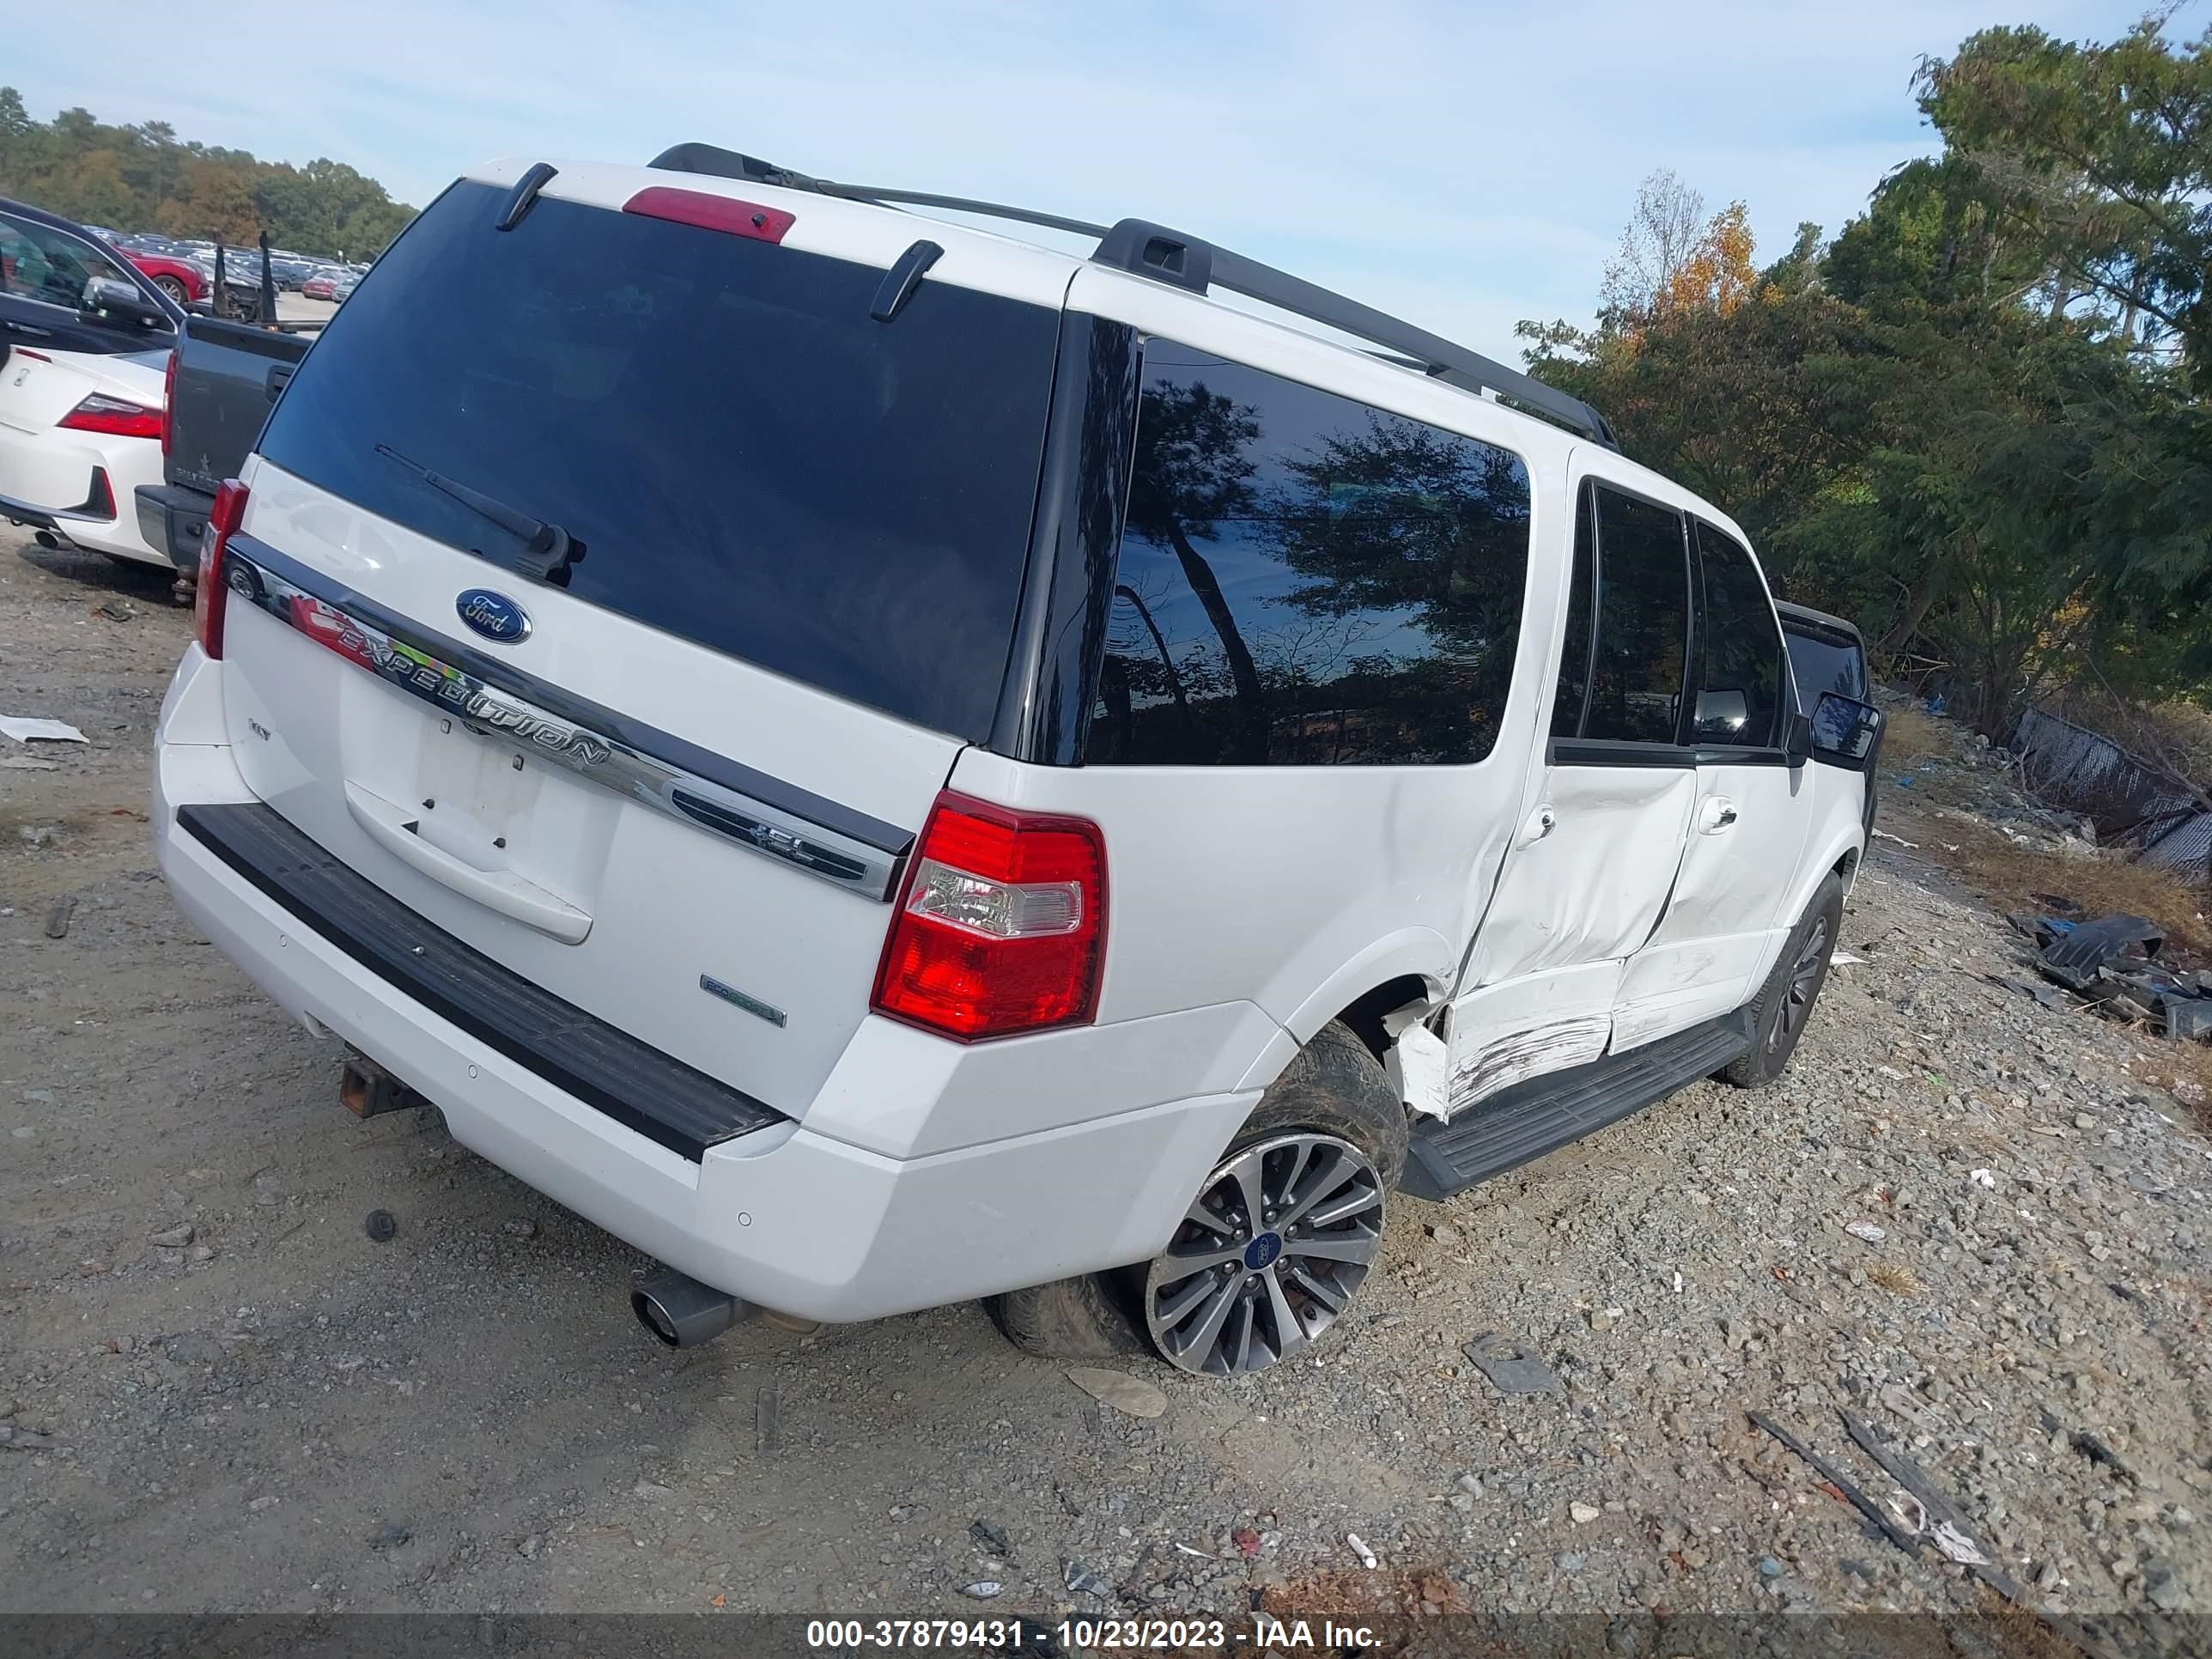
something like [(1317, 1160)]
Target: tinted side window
[(1306, 580), (1643, 620), (38, 262), (1575, 649), (1822, 662), (1739, 649)]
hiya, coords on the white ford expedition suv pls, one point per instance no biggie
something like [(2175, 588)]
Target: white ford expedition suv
[(885, 764)]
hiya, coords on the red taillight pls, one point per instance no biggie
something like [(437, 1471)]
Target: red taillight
[(118, 417), (709, 212), (168, 405), (208, 597), (1001, 926)]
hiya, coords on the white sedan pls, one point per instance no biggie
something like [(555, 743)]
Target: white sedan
[(85, 346)]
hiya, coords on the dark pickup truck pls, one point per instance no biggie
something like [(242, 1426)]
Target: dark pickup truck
[(223, 379), (1827, 653)]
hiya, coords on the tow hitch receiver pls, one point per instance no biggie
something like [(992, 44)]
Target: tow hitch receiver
[(366, 1090)]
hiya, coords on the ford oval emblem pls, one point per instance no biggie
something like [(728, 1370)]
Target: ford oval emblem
[(494, 614)]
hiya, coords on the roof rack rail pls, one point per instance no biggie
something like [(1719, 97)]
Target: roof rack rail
[(1188, 262)]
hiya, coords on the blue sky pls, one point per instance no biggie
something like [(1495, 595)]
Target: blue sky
[(1464, 164)]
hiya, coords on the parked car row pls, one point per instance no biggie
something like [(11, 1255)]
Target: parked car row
[(186, 269), (88, 335)]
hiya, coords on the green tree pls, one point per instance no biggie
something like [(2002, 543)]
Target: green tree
[(1974, 421), (219, 200), (97, 187), (144, 178), (2099, 156)]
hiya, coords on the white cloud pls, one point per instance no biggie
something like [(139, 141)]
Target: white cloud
[(1467, 164)]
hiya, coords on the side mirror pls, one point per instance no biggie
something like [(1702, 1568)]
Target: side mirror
[(1845, 730), (120, 304)]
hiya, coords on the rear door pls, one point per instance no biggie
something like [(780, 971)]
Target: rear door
[(617, 591), (1604, 818)]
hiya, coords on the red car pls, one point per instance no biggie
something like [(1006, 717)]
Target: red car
[(179, 280), (317, 288)]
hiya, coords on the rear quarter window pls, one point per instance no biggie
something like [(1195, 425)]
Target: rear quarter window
[(1305, 579)]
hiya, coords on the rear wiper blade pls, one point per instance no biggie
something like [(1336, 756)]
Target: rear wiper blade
[(547, 550)]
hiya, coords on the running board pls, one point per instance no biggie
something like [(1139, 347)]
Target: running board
[(1544, 1113)]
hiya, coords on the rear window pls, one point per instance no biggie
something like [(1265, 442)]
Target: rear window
[(748, 458)]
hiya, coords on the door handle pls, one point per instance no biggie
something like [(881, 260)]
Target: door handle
[(1715, 815), (278, 379)]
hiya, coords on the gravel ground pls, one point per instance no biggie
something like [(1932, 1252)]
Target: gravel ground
[(219, 1393)]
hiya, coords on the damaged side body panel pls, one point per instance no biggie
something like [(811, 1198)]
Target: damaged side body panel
[(1584, 889)]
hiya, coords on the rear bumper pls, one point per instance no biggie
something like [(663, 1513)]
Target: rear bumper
[(49, 479), (784, 1215), (173, 521)]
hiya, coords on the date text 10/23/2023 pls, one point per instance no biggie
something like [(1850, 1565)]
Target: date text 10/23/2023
[(1008, 1635)]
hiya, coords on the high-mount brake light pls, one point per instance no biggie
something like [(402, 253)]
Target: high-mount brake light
[(1001, 926), (711, 212), (117, 417), (223, 518)]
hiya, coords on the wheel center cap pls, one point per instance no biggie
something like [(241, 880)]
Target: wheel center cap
[(1263, 1250)]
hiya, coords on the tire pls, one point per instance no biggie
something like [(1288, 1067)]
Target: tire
[(173, 286), (1335, 1085), (1084, 1317), (1783, 1006), (1336, 1090)]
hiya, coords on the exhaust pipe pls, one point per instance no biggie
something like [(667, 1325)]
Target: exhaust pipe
[(47, 539), (682, 1313)]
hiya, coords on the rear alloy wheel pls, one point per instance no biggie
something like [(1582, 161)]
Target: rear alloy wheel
[(1280, 1238), (1326, 1139)]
